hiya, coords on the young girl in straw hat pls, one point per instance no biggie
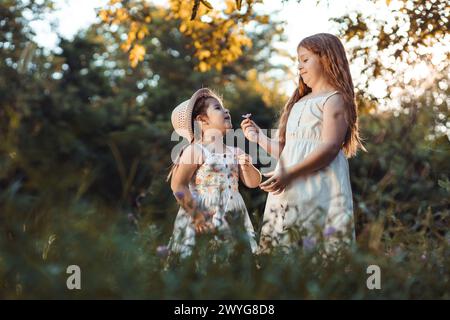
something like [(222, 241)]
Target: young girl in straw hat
[(204, 178)]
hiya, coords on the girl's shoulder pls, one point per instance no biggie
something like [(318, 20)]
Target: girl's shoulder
[(334, 101), (319, 98), (324, 100), (192, 154)]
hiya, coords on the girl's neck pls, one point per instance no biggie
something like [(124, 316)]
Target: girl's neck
[(214, 142), (322, 87)]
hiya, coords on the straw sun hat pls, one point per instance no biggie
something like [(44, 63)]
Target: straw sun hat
[(182, 114)]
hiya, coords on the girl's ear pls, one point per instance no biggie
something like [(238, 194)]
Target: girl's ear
[(201, 118)]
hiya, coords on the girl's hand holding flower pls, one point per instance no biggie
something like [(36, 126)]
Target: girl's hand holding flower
[(249, 127)]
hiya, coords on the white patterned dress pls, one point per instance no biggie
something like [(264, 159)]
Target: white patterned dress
[(319, 201), (214, 187)]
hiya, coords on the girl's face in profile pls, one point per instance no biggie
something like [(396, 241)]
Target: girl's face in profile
[(218, 117), (309, 66)]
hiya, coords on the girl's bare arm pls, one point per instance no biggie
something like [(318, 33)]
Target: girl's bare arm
[(248, 174), (271, 146), (182, 175), (189, 162)]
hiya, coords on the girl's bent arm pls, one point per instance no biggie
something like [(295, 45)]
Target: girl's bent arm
[(333, 134), (182, 175), (272, 146), (248, 174)]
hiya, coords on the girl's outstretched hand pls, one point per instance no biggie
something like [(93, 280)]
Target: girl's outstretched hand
[(276, 183), (250, 128)]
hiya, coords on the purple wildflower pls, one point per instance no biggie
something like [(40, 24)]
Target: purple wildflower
[(329, 231), (309, 243)]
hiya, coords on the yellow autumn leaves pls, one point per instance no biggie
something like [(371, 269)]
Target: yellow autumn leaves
[(137, 54), (137, 31), (116, 13), (217, 39), (218, 36)]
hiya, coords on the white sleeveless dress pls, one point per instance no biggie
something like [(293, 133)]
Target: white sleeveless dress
[(215, 187), (320, 201)]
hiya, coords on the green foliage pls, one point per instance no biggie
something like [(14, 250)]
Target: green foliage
[(402, 177), (388, 46)]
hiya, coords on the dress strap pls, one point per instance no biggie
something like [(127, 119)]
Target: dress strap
[(233, 151), (209, 153), (329, 95), (205, 150)]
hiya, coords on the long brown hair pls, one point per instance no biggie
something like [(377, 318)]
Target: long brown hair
[(335, 65), (200, 107)]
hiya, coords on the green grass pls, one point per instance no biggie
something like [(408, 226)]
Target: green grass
[(119, 260)]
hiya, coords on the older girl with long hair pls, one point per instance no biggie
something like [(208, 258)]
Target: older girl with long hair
[(310, 196)]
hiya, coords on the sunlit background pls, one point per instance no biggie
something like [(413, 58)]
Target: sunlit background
[(301, 19)]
